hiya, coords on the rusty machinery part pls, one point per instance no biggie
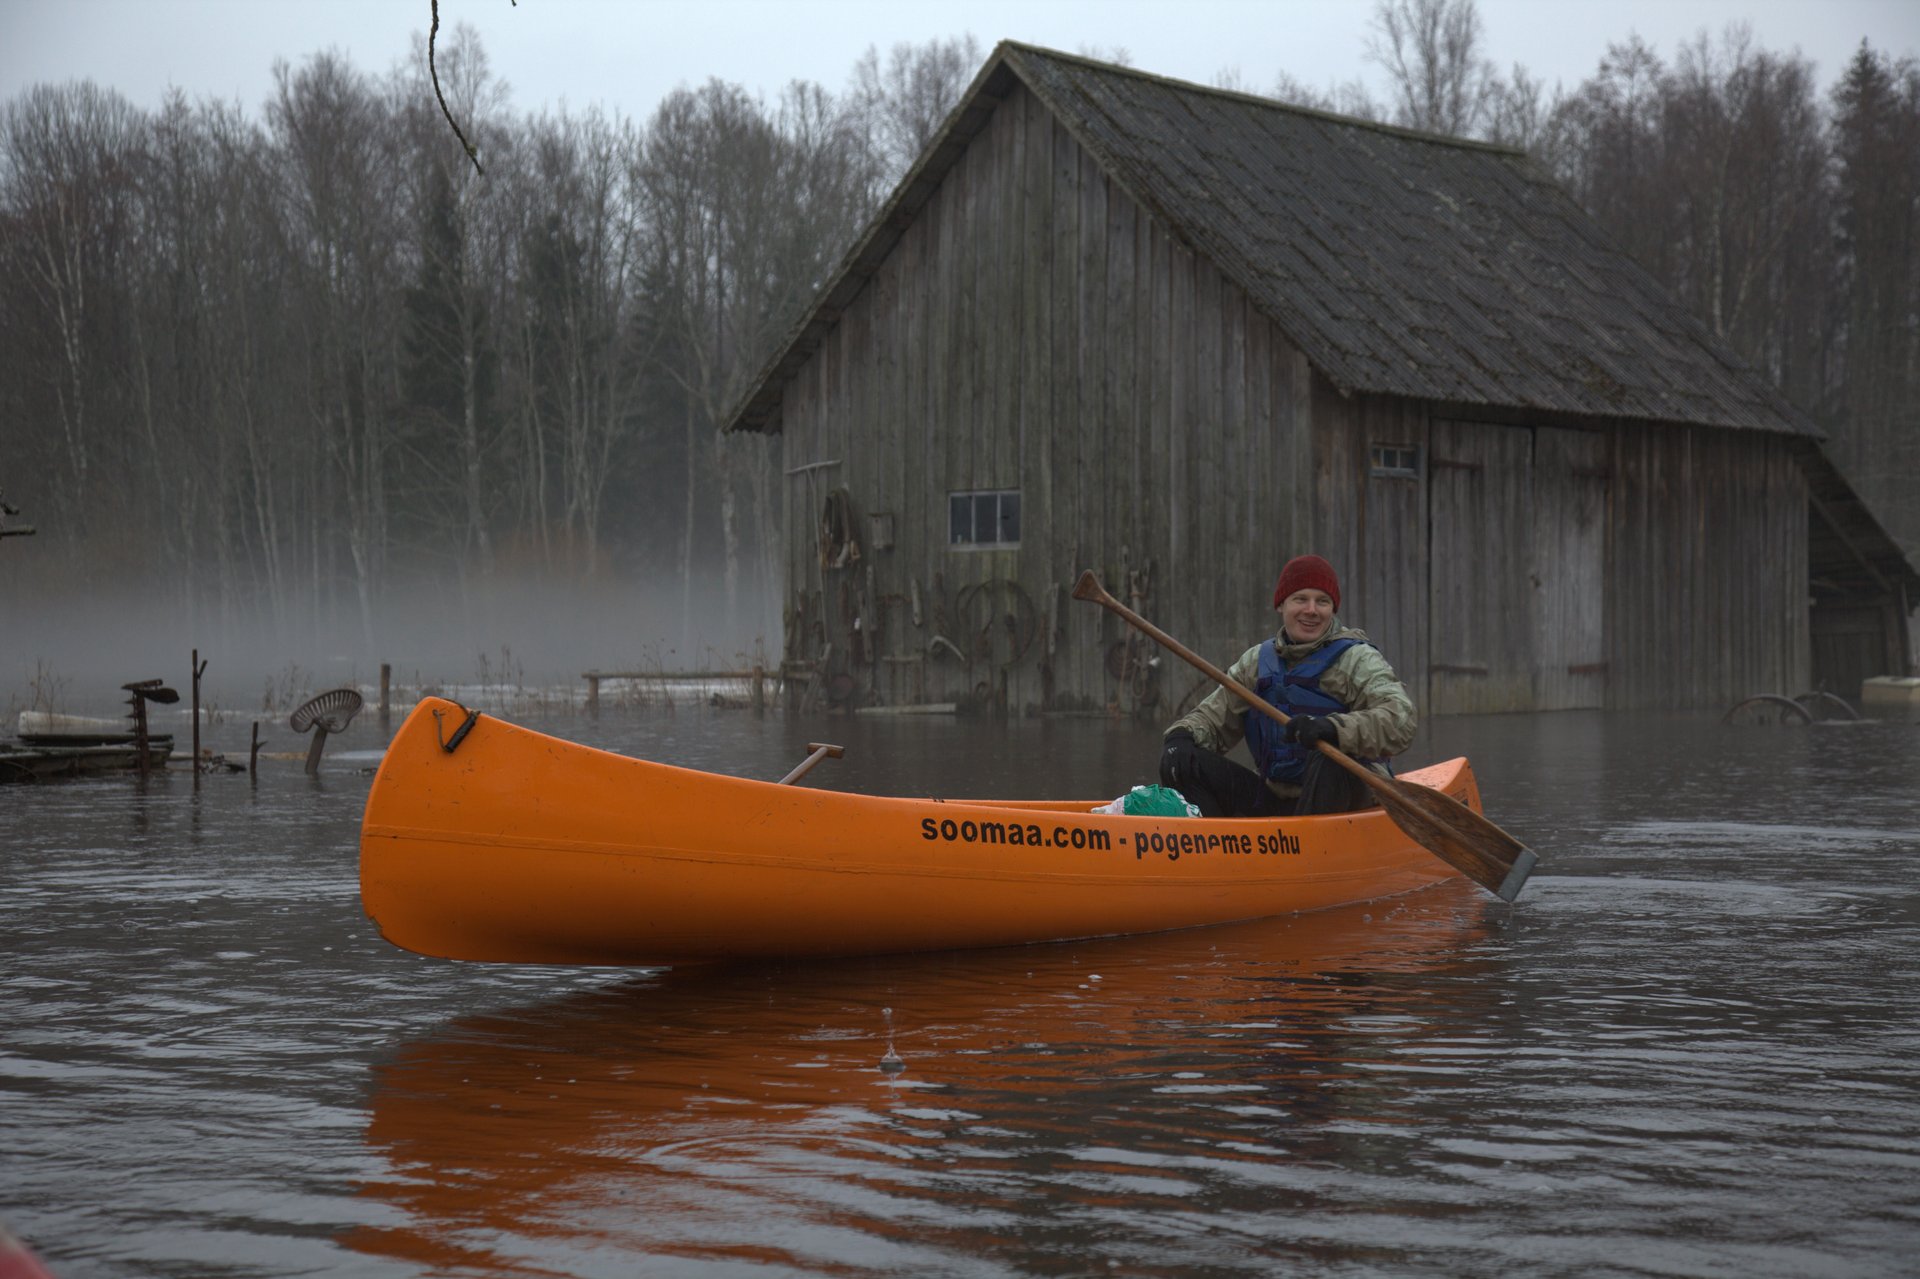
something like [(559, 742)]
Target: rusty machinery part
[(332, 710), (152, 690), (1767, 709), (859, 623), (839, 544), (941, 619), (806, 621), (1822, 705), (1134, 664), (1000, 616), (792, 626)]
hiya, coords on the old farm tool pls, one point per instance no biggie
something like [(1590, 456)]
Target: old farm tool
[(329, 712), (144, 691)]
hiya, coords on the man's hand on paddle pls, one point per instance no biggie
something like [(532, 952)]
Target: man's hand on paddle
[(1306, 730)]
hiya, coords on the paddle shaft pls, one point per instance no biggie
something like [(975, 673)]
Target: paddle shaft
[(1219, 676), (1453, 832)]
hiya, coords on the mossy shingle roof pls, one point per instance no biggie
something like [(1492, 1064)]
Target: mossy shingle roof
[(1400, 263)]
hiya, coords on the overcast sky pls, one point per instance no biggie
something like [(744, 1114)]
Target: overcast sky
[(625, 54)]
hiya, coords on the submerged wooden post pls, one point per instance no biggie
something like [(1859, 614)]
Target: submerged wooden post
[(199, 669), (593, 694), (140, 732), (386, 680), (253, 753), (759, 689)]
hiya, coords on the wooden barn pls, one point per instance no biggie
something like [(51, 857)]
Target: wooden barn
[(1177, 335)]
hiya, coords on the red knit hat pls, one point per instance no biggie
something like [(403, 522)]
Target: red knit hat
[(1307, 573)]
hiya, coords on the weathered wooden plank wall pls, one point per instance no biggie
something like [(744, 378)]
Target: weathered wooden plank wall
[(1036, 330), (1568, 572), (1373, 529), (1707, 567), (1481, 544), (1541, 568)]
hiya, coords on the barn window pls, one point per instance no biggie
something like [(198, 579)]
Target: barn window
[(1396, 459), (984, 519)]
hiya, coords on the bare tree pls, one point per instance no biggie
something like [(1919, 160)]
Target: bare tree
[(1521, 113), (748, 210), (904, 99), (70, 153), (1349, 98), (580, 381), (449, 372), (338, 166), (1431, 50)]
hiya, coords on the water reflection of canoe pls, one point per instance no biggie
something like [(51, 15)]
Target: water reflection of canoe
[(654, 1116), (517, 847)]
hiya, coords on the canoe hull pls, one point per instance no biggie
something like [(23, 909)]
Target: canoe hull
[(517, 847)]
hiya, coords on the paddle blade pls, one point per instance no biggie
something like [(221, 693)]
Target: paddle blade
[(1460, 837), (1087, 587)]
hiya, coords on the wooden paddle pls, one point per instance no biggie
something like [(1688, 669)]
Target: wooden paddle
[(817, 751), (1446, 828)]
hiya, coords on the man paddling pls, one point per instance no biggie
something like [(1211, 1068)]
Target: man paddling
[(1334, 686)]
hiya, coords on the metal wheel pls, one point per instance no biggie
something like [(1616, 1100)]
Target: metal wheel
[(1821, 704), (1767, 709)]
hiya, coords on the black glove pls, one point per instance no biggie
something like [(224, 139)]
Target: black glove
[(1305, 730), (1177, 754)]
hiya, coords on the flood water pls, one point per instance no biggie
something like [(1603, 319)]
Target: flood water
[(1692, 1048)]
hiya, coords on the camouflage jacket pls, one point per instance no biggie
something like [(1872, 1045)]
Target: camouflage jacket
[(1380, 724)]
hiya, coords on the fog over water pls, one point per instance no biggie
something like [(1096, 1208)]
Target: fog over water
[(77, 650)]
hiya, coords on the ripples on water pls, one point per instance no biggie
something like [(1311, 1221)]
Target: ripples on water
[(1689, 1050)]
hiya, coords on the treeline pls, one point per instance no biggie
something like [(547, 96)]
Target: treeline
[(298, 364), (303, 365), (1787, 218)]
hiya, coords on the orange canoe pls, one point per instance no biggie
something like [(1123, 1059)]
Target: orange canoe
[(516, 847)]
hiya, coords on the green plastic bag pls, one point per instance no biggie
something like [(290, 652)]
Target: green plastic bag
[(1156, 801)]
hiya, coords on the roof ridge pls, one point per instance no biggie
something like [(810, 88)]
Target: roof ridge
[(1258, 99)]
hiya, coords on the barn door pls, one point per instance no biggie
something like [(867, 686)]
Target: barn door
[(1569, 569), (1516, 576), (1479, 598)]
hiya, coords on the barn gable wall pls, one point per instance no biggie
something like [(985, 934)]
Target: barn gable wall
[(1035, 329)]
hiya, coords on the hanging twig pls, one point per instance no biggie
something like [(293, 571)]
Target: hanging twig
[(472, 153)]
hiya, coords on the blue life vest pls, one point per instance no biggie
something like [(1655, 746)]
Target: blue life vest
[(1292, 690)]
